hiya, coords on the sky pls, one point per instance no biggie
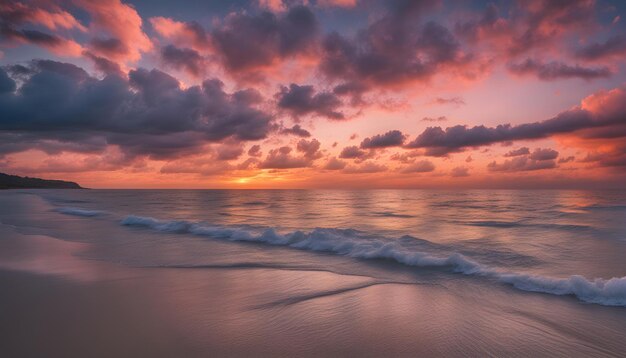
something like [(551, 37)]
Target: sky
[(315, 93)]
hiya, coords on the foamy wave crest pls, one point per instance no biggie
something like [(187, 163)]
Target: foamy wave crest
[(347, 242), (79, 212), (167, 226), (610, 292)]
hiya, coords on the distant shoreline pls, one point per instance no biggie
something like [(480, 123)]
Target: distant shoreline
[(8, 181)]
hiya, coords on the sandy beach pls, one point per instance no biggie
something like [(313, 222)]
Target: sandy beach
[(89, 288)]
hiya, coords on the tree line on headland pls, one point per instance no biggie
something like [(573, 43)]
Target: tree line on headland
[(16, 182)]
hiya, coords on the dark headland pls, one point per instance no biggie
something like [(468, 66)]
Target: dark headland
[(16, 182)]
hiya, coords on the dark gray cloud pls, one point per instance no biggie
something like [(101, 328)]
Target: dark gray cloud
[(14, 14), (353, 152), (284, 157), (183, 59), (247, 41), (302, 100), (110, 47), (32, 36), (614, 46), (456, 138), (10, 36), (557, 70), (524, 160), (518, 152), (395, 49), (392, 138), (543, 154), (6, 83), (281, 158), (18, 142), (406, 157), (520, 164), (297, 131), (353, 90), (21, 72), (104, 65), (309, 148), (146, 113)]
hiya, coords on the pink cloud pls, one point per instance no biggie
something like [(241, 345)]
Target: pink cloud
[(53, 19), (13, 15), (189, 34), (58, 45), (273, 5), (122, 36)]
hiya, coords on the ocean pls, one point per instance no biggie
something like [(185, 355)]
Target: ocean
[(314, 272)]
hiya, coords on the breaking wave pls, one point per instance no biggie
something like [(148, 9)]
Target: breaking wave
[(346, 242), (79, 212)]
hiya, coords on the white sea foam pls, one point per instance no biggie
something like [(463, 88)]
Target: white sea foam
[(79, 212), (611, 292)]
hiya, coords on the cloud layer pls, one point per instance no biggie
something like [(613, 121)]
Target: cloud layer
[(146, 113), (315, 92)]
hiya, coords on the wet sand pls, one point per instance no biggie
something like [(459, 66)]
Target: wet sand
[(52, 317), (262, 312)]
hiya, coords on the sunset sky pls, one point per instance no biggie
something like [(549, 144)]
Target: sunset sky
[(314, 94)]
